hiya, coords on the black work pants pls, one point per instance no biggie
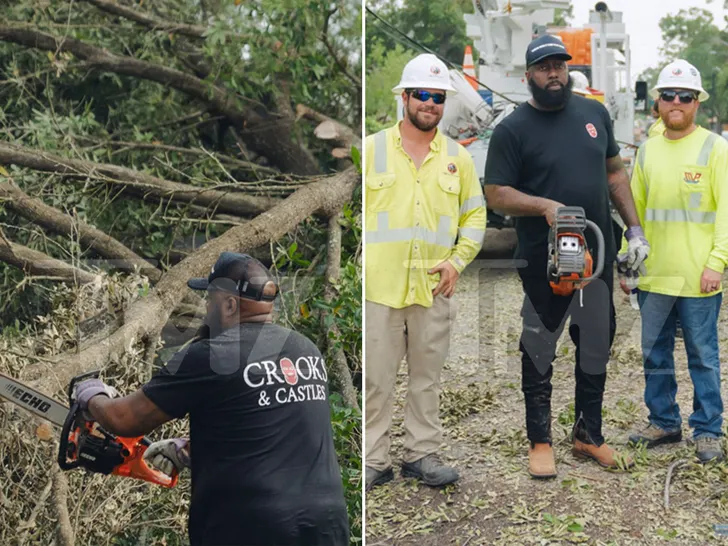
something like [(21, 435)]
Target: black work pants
[(591, 329)]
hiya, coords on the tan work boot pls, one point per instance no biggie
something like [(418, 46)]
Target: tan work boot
[(541, 463), (604, 455)]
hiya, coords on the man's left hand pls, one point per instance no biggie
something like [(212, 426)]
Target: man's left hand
[(84, 391), (710, 281), (448, 278)]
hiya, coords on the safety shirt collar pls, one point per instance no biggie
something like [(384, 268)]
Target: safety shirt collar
[(434, 145)]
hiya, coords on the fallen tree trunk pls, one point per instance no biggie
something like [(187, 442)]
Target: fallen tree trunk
[(143, 184), (146, 318), (265, 133)]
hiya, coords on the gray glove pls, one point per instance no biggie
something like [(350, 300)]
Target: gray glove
[(84, 391), (166, 455), (638, 249)]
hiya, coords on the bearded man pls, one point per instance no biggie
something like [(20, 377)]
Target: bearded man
[(425, 221), (678, 184), (558, 149)]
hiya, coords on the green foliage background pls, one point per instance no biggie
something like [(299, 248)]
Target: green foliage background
[(694, 35)]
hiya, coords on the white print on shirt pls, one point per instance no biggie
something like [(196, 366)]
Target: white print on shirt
[(302, 393), (270, 373)]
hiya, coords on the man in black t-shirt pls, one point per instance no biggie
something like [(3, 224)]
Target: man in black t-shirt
[(558, 149), (264, 468)]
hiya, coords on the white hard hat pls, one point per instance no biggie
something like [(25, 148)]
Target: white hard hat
[(425, 71), (581, 83), (680, 74)]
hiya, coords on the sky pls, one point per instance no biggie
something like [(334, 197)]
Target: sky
[(641, 18)]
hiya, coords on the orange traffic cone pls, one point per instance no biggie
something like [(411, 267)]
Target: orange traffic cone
[(469, 68)]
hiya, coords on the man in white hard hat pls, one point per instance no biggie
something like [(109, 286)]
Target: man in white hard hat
[(425, 221), (580, 82), (680, 187), (559, 149)]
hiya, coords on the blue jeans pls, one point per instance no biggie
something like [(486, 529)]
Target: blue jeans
[(699, 320)]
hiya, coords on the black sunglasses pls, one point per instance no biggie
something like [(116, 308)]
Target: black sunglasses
[(424, 96), (686, 97)]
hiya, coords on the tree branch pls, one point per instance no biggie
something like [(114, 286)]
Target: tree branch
[(36, 263), (329, 128), (54, 220), (146, 317), (190, 151), (262, 132), (341, 64), (193, 31), (143, 184), (60, 500), (340, 369)]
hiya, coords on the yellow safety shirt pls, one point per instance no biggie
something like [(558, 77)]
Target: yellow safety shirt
[(416, 219), (680, 189), (656, 128)]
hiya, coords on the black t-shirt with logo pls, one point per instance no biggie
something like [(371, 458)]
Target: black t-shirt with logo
[(264, 468), (559, 155)]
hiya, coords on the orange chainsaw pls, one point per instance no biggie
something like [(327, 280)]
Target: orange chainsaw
[(84, 443), (570, 264)]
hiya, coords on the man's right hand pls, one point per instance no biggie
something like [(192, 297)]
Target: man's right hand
[(166, 455), (549, 210), (628, 279)]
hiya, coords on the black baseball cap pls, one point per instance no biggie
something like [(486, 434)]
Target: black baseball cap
[(239, 274), (546, 46)]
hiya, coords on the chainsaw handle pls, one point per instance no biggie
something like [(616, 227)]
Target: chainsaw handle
[(63, 446), (135, 466), (600, 253), (78, 379)]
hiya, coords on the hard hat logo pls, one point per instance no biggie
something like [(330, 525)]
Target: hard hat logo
[(677, 72), (435, 70)]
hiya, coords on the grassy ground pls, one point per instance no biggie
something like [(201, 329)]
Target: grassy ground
[(496, 502)]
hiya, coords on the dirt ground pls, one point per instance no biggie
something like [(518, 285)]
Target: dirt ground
[(496, 502)]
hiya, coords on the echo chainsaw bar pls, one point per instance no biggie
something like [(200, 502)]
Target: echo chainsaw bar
[(84, 443), (570, 264)]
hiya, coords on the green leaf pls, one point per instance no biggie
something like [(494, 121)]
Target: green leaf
[(356, 158)]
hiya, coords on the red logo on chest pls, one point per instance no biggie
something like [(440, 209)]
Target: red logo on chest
[(289, 371), (591, 130)]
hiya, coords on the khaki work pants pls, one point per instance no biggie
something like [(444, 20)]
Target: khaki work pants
[(422, 334)]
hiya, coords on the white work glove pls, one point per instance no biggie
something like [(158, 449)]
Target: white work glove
[(166, 455), (638, 249)]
